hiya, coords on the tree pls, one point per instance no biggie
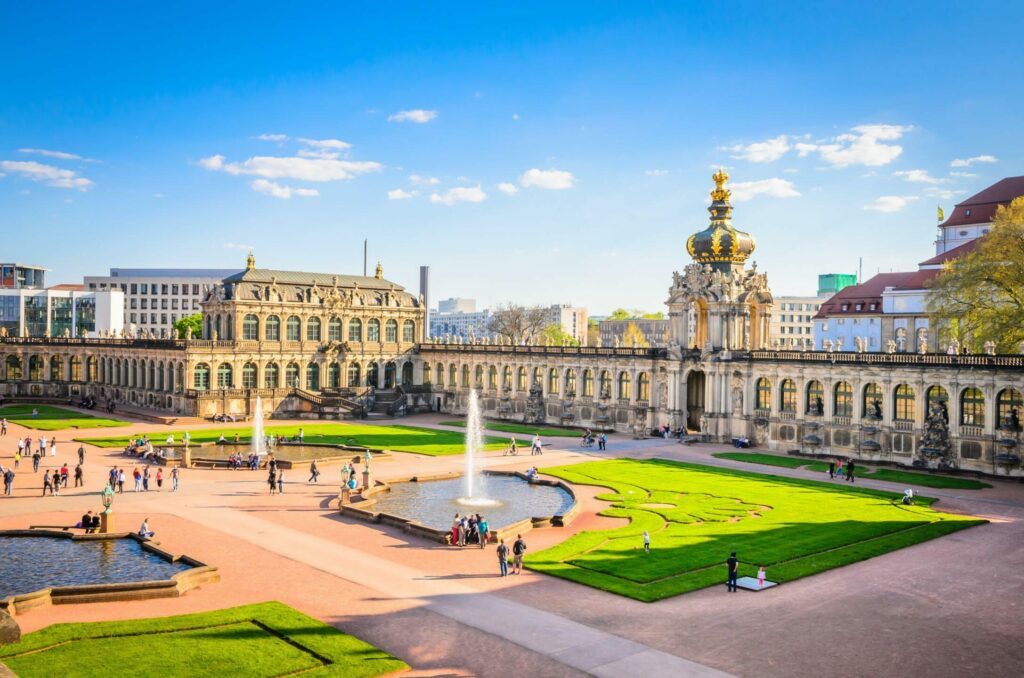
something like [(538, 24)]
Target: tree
[(620, 314), (518, 323), (633, 337), (980, 296), (593, 332), (554, 335), (193, 321)]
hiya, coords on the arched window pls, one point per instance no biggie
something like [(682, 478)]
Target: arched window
[(334, 329), (372, 374), (56, 368), (1008, 408), (492, 377), (334, 376), (407, 374), (391, 331), (972, 407), (201, 377), (373, 330), (313, 329), (588, 383), (353, 374), (570, 381), (408, 331), (428, 377), (936, 396), (465, 376), (521, 379), (763, 394), (271, 377), (871, 405), (90, 369), (903, 403), (624, 385), (605, 384), (76, 369), (229, 327), (291, 375), (506, 377), (815, 398), (292, 328), (389, 374), (179, 381), (224, 376), (216, 326), (553, 381), (250, 328), (788, 395), (150, 382), (273, 328), (438, 374), (35, 368), (355, 329), (312, 377), (538, 377), (842, 403), (643, 387), (249, 375), (453, 375)]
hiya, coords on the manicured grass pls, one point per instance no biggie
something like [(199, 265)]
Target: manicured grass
[(398, 438), (54, 418), (267, 639), (889, 475), (696, 515), (525, 429)]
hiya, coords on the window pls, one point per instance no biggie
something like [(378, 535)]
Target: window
[(815, 398), (35, 368), (521, 379), (312, 377), (570, 381), (643, 387), (135, 288), (355, 330), (478, 377), (273, 328), (763, 395), (788, 393), (313, 329), (552, 381), (903, 403), (465, 376), (408, 331), (625, 383), (843, 400), (353, 374), (270, 376), (250, 328), (391, 331), (292, 328), (224, 376), (1008, 408), (453, 375), (872, 403), (249, 375), (334, 329), (605, 384), (174, 290), (492, 377), (428, 373), (373, 330), (201, 377), (163, 289), (506, 377), (588, 383), (972, 407), (291, 375), (334, 376), (143, 304), (56, 368)]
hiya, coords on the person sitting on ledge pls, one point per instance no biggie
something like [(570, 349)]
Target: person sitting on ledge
[(144, 530), (95, 522), (221, 440), (86, 523), (531, 473), (908, 497)]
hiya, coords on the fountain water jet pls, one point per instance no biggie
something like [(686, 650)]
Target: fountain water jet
[(259, 441), (474, 445)]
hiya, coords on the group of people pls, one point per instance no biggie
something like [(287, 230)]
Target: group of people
[(471, 528), (518, 551), (116, 478), (53, 482), (25, 450), (237, 461), (588, 439), (732, 565), (843, 469), (275, 476)]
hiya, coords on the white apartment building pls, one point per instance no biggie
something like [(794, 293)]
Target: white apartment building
[(156, 298), (56, 312), (461, 324), (572, 319), (456, 305), (793, 319)]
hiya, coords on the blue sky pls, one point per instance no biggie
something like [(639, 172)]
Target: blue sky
[(525, 151)]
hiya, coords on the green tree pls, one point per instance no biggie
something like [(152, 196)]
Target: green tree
[(620, 314), (193, 321), (980, 296), (633, 337), (554, 334)]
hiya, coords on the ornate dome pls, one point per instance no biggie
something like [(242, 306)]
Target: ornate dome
[(720, 244)]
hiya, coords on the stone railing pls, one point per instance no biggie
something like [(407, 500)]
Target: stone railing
[(492, 349), (968, 431), (841, 419), (897, 359), (99, 342), (902, 425)]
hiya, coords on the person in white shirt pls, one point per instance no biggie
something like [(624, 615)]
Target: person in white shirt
[(144, 530)]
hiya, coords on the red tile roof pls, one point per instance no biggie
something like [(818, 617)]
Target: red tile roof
[(870, 292), (954, 253), (981, 207)]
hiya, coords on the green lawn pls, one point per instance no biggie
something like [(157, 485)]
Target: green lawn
[(54, 418), (398, 438), (525, 429), (267, 639), (696, 515), (889, 475)]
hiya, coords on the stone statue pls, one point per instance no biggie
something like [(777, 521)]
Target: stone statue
[(839, 344), (990, 347), (737, 399), (814, 345), (214, 335), (188, 333), (922, 346), (890, 346), (3, 331), (827, 345), (703, 423), (367, 457)]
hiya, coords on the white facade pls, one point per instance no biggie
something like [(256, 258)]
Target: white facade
[(793, 318), (456, 304), (460, 324), (846, 330), (155, 299), (572, 319), (58, 313)]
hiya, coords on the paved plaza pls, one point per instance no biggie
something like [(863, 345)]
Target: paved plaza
[(445, 611)]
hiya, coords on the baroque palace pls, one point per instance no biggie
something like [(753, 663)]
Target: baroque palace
[(339, 346)]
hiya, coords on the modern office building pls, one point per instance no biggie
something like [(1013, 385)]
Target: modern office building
[(461, 324), (572, 320), (156, 298), (57, 312), (22, 276), (456, 305)]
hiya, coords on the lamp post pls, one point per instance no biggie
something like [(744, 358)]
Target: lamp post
[(107, 517)]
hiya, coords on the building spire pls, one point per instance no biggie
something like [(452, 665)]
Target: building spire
[(250, 261), (720, 209), (380, 272)]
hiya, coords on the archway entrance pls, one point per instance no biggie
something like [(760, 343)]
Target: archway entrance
[(694, 399)]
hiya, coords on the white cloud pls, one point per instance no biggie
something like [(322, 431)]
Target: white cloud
[(943, 193), (417, 115), (459, 194), (424, 181), (967, 162), (890, 203), (47, 174), (273, 137), (762, 151), (550, 179), (237, 246), (515, 116), (59, 155), (774, 187), (862, 146), (333, 144), (400, 194), (279, 191), (507, 188), (963, 175), (919, 177), (214, 162), (317, 169), (656, 172)]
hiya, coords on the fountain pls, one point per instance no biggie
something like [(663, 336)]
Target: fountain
[(474, 445), (259, 440)]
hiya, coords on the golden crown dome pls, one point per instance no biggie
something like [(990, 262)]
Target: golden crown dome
[(720, 244)]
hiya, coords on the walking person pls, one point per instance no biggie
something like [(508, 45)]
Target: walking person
[(518, 549), (81, 454), (849, 471), (64, 473), (503, 558), (17, 458), (47, 483), (53, 446), (175, 474), (159, 479), (145, 478), (21, 446), (120, 481), (647, 542), (733, 564), (483, 529), (9, 482), (78, 476), (3, 426), (302, 434), (272, 481), (831, 470), (137, 475), (462, 531), (280, 481), (35, 461), (314, 473)]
